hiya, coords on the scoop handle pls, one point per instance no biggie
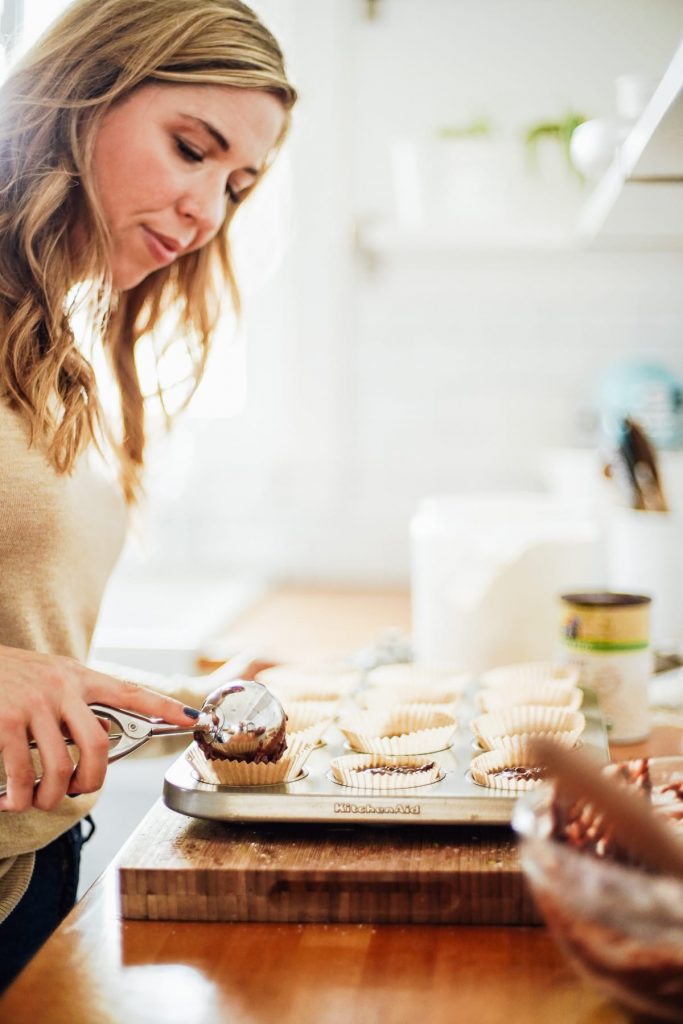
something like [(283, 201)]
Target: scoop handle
[(69, 741)]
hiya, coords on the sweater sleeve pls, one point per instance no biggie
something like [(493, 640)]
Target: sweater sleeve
[(21, 834), (15, 876)]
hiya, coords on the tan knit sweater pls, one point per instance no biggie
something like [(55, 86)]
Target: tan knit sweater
[(59, 539)]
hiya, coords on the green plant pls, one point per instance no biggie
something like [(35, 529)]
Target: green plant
[(561, 131), (467, 131)]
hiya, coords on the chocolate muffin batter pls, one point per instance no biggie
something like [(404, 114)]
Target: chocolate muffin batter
[(393, 769), (520, 773)]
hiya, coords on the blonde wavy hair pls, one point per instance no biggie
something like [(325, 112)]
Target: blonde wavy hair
[(50, 109)]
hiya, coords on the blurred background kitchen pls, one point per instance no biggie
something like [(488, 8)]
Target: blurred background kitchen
[(462, 275)]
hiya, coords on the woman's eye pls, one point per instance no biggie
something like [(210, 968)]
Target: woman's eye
[(188, 152)]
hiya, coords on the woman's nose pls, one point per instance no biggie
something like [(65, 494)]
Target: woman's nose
[(205, 206)]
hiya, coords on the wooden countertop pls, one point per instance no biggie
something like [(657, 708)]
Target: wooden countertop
[(98, 969)]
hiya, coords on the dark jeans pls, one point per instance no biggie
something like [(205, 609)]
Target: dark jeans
[(49, 898)]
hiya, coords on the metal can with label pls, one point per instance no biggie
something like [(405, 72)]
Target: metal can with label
[(608, 637)]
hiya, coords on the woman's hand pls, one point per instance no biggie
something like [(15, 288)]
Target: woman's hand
[(42, 697)]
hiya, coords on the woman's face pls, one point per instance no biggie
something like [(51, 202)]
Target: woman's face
[(168, 161)]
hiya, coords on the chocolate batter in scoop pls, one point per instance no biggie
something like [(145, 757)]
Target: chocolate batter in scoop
[(248, 724)]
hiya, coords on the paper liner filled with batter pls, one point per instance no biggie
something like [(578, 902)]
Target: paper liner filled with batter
[(378, 774), (494, 728), (226, 772), (509, 773), (418, 730)]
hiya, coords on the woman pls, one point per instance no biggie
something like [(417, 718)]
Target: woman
[(128, 136)]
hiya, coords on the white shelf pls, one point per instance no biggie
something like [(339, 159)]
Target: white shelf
[(653, 150), (637, 205), (382, 239), (640, 198), (379, 241), (646, 215)]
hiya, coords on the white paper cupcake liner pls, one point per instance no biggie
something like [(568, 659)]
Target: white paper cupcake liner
[(419, 731), (345, 771), (302, 714), (308, 721), (243, 773), (313, 735), (510, 746), (420, 708), (531, 672), (310, 677), (383, 698), (419, 677), (310, 734), (492, 730), (309, 692), (483, 767), (496, 698)]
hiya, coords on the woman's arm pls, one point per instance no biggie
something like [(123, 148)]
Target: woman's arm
[(188, 690), (42, 697)]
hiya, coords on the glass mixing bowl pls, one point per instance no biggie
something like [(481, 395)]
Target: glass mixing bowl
[(619, 926)]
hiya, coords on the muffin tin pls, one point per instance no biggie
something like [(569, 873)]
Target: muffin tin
[(315, 796)]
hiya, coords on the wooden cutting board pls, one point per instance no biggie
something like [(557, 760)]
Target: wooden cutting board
[(186, 869)]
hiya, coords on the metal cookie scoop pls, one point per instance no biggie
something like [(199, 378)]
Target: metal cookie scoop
[(241, 720)]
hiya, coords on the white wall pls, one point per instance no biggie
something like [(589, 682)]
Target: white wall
[(372, 383)]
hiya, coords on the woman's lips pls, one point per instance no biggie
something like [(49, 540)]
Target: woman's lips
[(162, 249)]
